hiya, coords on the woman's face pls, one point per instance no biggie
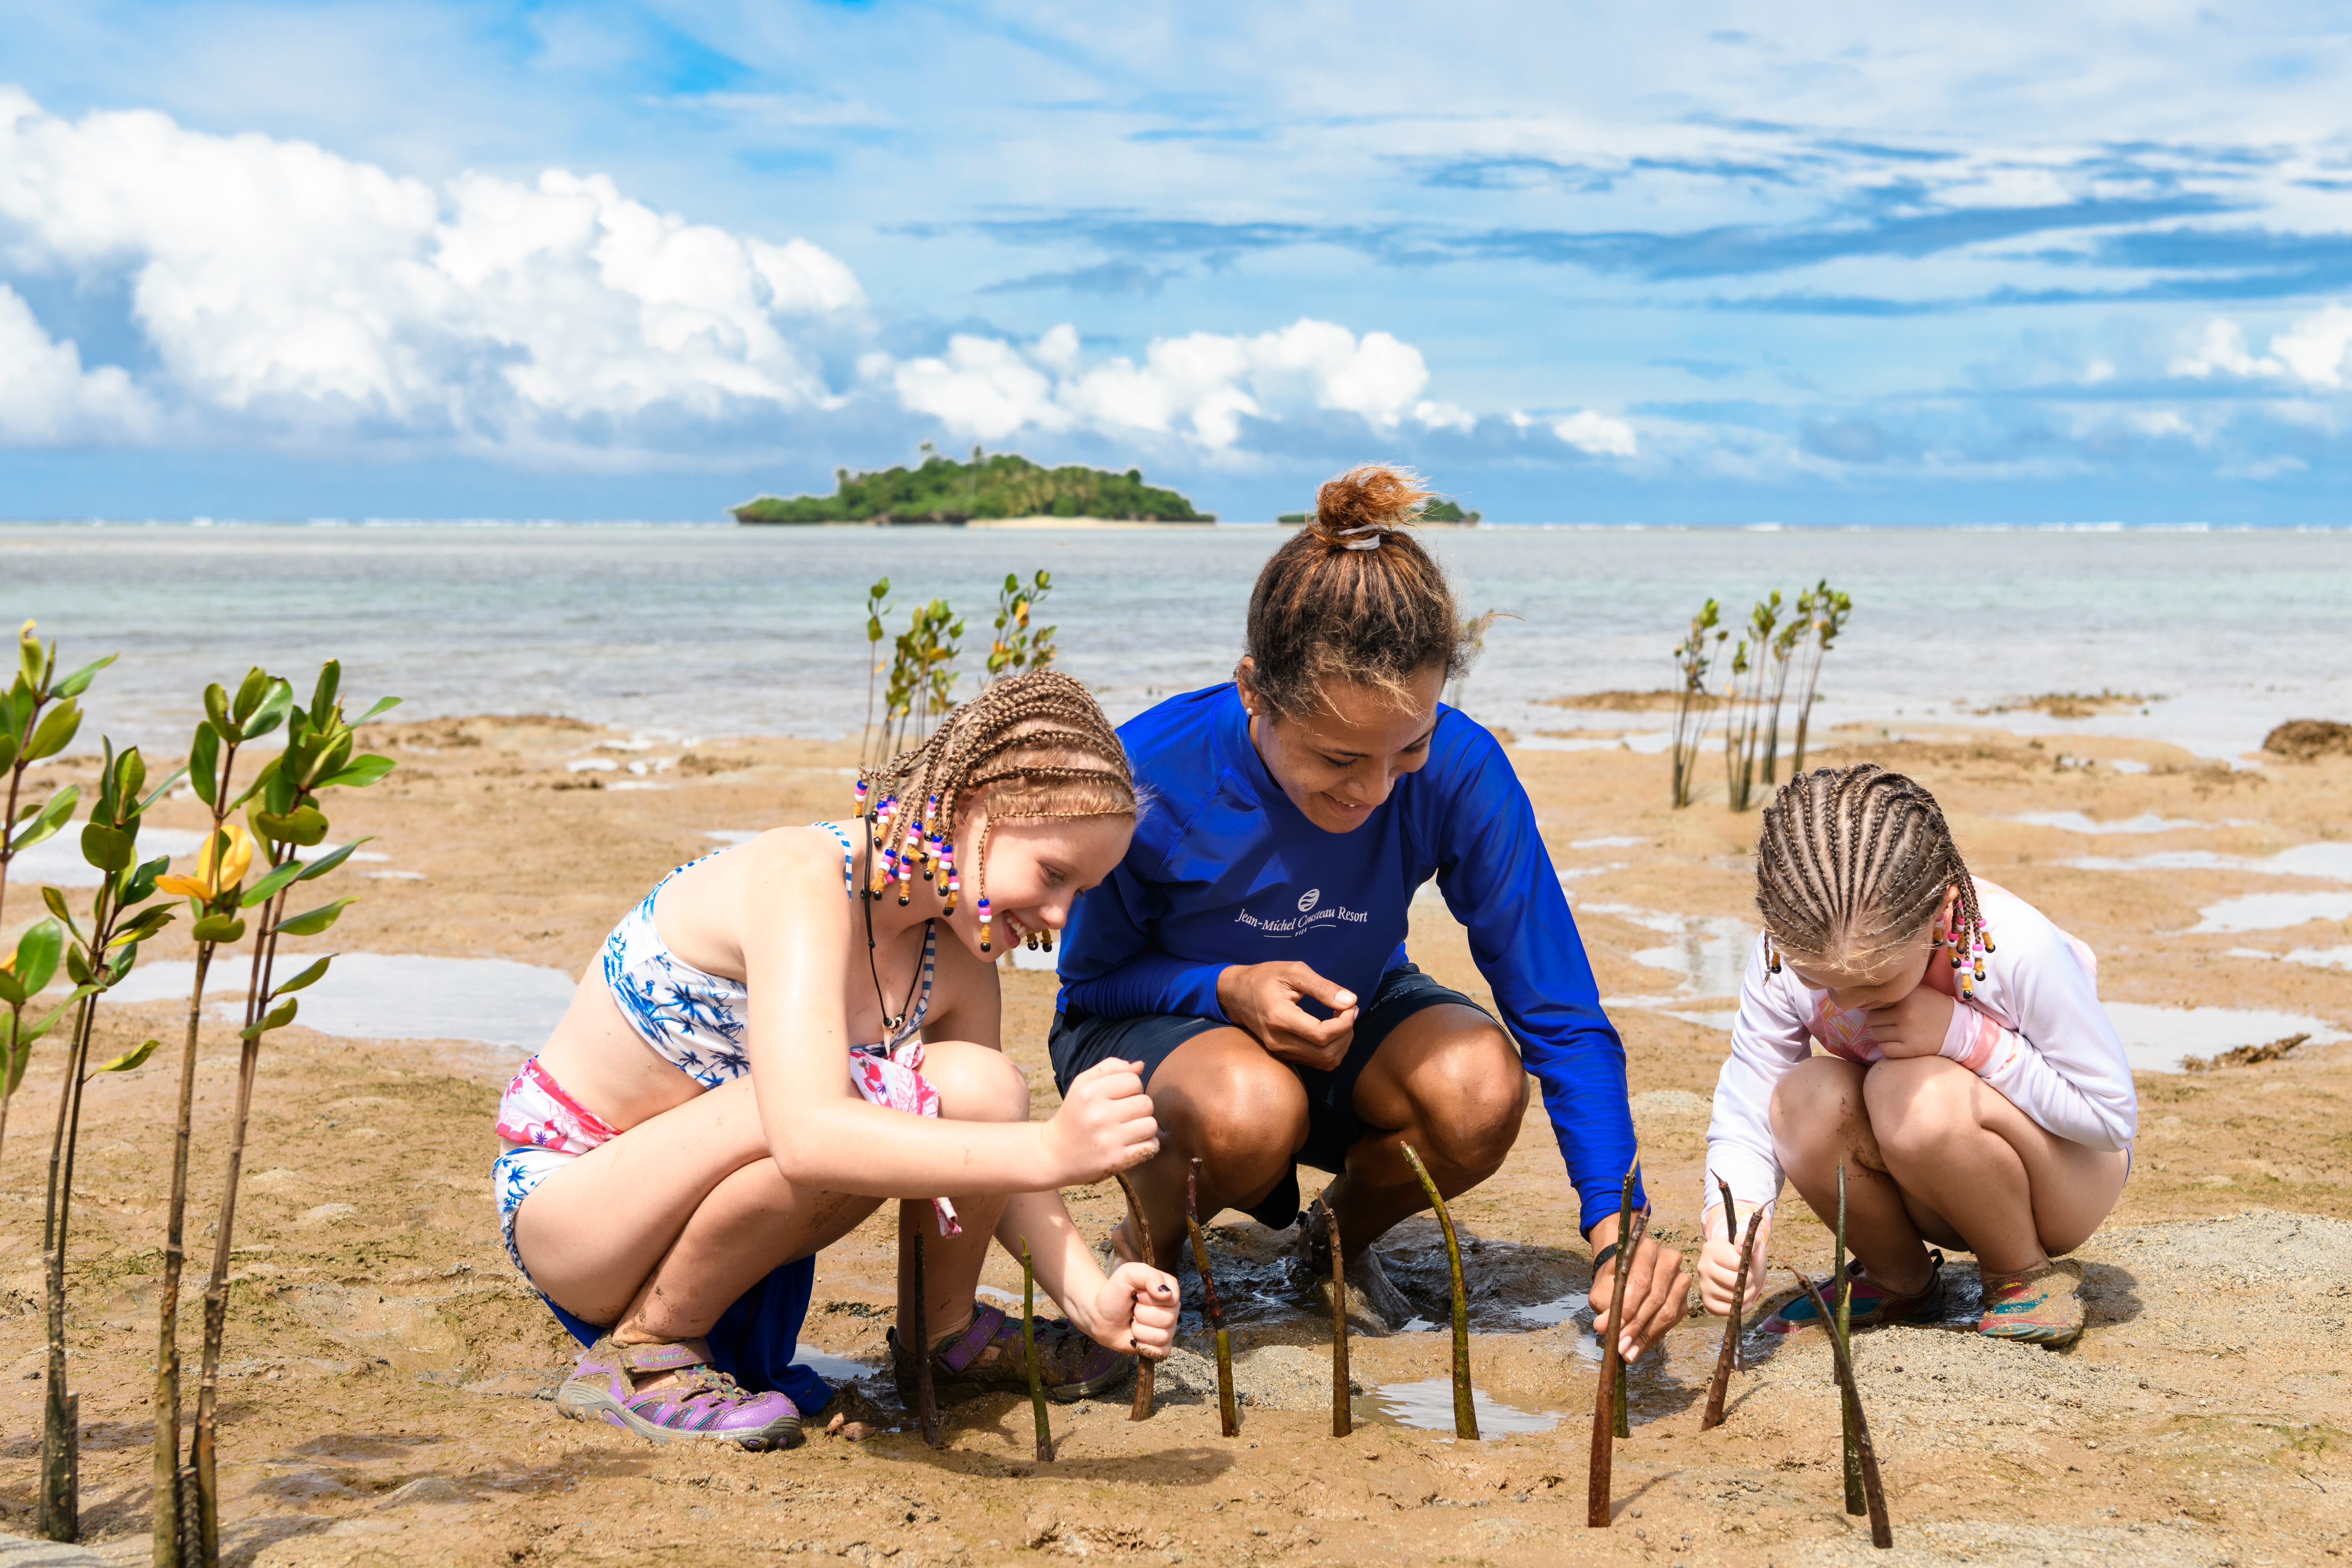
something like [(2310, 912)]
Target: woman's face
[(1036, 868), (1340, 759), (1883, 979)]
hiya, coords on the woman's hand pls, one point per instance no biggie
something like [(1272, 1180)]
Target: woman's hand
[(1105, 1124), (1914, 1027), (1135, 1310), (1654, 1292), (1263, 998), (1718, 1269)]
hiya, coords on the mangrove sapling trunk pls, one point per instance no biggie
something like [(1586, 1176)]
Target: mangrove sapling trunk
[(1727, 1359), (1465, 1403), (1343, 1385), (1228, 1414), (1849, 1407), (1693, 658), (1783, 646), (28, 734), (1144, 1370), (1029, 1355), (1607, 1392), (1873, 1494), (1824, 610), (913, 1212)]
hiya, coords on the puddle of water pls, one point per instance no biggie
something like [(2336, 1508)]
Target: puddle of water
[(58, 861), (1722, 1020), (1709, 955), (1614, 841), (732, 835), (395, 997), (2075, 822), (1428, 1406), (1559, 1309), (2324, 862), (2155, 1038), (833, 1368), (2272, 912), (2317, 957)]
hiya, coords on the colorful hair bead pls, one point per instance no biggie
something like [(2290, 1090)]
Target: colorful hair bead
[(984, 918)]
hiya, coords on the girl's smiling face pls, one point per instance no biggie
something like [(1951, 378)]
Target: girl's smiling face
[(1036, 869), (1339, 762), (1881, 981)]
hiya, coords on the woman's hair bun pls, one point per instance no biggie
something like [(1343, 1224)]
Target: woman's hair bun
[(1371, 496)]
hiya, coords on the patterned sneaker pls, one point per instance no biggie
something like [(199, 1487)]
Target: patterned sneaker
[(1872, 1304), (987, 1357), (703, 1402), (2041, 1306)]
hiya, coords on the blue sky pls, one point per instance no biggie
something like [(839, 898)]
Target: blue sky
[(1732, 263)]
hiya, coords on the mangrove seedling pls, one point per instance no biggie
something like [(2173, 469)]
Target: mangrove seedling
[(25, 973), (1228, 1414), (1744, 720), (876, 607), (1694, 657), (1795, 630), (1017, 648), (38, 716), (1029, 1354), (1849, 1405), (1727, 1359), (1825, 611), (1466, 1403), (282, 811), (1608, 1395), (915, 1322), (1343, 1419), (1874, 1495), (922, 673), (1474, 637), (1144, 1371), (95, 961)]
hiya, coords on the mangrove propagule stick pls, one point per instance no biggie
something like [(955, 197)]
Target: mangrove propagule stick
[(1465, 1403), (1849, 1405), (1142, 1410), (1874, 1496), (1624, 1263), (1606, 1411), (1343, 1415), (911, 1218), (1727, 1360), (1228, 1414), (1029, 1354)]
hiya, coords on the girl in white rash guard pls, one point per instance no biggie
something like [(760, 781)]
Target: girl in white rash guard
[(1972, 1085)]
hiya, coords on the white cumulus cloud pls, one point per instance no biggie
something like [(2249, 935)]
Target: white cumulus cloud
[(47, 397), (1597, 435), (2315, 350), (1199, 387)]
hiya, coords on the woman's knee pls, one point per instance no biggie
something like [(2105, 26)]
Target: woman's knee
[(1231, 1106), (1470, 1100), (976, 1083)]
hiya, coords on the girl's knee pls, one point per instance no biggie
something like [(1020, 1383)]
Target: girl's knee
[(1814, 1104), (1918, 1103), (975, 1083)]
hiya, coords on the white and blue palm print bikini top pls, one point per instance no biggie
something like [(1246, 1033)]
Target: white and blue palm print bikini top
[(701, 1021)]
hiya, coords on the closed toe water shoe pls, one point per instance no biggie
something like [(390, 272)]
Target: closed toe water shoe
[(700, 1401), (987, 1357), (2040, 1306), (1872, 1303)]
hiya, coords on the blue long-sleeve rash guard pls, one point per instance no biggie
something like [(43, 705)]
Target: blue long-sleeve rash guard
[(1224, 869)]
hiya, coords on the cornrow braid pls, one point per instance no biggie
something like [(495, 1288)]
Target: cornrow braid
[(1038, 742), (1854, 861)]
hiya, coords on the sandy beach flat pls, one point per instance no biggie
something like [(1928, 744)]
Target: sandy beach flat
[(388, 1376)]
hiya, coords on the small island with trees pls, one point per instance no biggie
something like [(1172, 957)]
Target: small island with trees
[(1442, 513), (1004, 488)]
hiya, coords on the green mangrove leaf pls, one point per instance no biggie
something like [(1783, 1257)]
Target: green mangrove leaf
[(310, 922), (12, 990), (278, 877), (107, 848), (332, 858), (45, 823), (305, 826), (218, 928), (56, 902), (77, 683), (136, 1057), (157, 794), (118, 966), (33, 659), (260, 782), (7, 743), (278, 1017), (361, 772), (37, 953), (216, 710), (138, 886), (204, 762), (56, 726), (308, 977), (78, 968), (331, 680), (129, 778), (272, 711), (249, 693)]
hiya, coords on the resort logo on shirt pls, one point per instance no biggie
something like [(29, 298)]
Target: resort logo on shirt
[(1313, 914)]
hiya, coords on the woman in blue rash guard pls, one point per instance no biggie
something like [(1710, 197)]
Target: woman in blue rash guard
[(1249, 950)]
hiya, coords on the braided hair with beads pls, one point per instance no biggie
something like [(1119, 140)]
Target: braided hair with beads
[(1854, 861), (1037, 743)]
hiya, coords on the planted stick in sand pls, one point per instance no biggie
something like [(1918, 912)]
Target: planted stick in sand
[(1228, 1417), (1729, 1357), (1029, 1353), (1624, 1263), (1608, 1409), (911, 1217), (1466, 1406), (1343, 1417), (1850, 1407), (1143, 1368), (1874, 1496)]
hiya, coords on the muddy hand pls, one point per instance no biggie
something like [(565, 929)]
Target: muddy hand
[(1138, 1309), (1105, 1124)]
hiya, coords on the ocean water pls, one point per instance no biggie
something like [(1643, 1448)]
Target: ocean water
[(701, 629)]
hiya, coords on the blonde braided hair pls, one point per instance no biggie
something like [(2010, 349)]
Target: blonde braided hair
[(1040, 747)]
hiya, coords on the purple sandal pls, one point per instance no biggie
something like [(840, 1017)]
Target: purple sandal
[(703, 1403), (987, 1356)]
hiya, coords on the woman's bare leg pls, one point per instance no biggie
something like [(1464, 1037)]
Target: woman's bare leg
[(1446, 1081), (1219, 1096)]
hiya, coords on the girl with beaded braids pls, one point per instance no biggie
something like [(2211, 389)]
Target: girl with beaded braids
[(787, 1033), (1972, 1085)]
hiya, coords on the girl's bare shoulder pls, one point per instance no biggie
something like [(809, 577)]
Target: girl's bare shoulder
[(792, 873)]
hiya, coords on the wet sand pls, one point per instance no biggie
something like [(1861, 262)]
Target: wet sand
[(388, 1373)]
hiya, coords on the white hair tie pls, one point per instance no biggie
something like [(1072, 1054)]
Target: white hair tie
[(1365, 536)]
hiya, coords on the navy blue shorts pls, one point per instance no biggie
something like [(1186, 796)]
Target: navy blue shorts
[(1081, 1038)]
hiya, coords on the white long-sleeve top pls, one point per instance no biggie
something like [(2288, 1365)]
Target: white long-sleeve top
[(2034, 1031)]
